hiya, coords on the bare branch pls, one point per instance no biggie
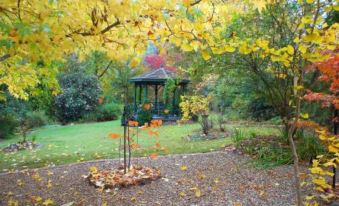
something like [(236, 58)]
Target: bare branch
[(4, 57), (105, 70), (90, 33), (19, 11), (195, 3)]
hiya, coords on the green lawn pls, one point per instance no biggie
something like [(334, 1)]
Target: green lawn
[(81, 142)]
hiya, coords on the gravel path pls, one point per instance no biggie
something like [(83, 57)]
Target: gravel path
[(218, 178)]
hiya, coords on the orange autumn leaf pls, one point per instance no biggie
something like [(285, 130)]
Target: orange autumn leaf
[(157, 145), (156, 123), (153, 156), (133, 123), (114, 136), (151, 132), (147, 106), (134, 146)]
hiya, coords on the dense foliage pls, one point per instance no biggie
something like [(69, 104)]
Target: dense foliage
[(80, 94)]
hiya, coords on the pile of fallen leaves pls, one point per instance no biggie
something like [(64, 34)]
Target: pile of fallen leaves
[(116, 178), (20, 146)]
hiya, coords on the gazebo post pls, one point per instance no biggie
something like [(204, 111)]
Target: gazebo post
[(135, 97), (145, 92), (140, 93), (173, 100), (156, 98)]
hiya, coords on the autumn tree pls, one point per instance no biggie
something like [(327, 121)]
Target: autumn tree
[(35, 31)]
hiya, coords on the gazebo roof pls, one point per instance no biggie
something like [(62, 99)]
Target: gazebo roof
[(158, 75)]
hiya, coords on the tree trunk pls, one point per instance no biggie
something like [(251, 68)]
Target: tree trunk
[(291, 132), (204, 124), (295, 164)]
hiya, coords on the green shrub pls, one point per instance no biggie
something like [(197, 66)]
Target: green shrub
[(260, 110), (8, 125), (238, 136), (35, 119), (144, 115), (80, 95), (108, 112), (309, 146)]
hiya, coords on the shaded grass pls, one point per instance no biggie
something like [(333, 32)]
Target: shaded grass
[(82, 142)]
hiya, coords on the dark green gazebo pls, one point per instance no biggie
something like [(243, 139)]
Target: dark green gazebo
[(150, 85)]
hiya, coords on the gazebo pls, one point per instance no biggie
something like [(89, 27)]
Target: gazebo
[(150, 85)]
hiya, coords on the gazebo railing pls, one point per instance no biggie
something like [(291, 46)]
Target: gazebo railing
[(158, 111)]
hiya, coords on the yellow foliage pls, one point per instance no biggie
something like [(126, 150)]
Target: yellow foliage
[(197, 105)]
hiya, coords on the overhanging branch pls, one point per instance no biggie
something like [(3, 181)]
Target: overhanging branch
[(4, 57)]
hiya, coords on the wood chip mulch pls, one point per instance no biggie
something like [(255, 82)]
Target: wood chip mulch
[(216, 178)]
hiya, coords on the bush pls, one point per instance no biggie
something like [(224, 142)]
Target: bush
[(144, 114), (35, 119), (108, 112), (8, 124), (260, 110), (80, 96)]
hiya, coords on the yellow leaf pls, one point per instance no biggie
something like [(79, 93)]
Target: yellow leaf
[(186, 3), (186, 47), (93, 170), (310, 1), (304, 116), (311, 37), (290, 50), (205, 55), (19, 183), (133, 199), (36, 199), (12, 202), (333, 149), (198, 192), (195, 45), (229, 48), (182, 194), (134, 62), (49, 184), (48, 202), (244, 49), (183, 168), (309, 197)]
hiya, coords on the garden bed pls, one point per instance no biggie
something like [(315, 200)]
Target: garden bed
[(23, 145), (213, 134)]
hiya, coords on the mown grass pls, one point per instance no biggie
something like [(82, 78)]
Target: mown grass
[(82, 142)]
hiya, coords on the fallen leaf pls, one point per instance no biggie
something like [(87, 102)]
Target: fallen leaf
[(36, 199), (19, 183), (114, 136), (198, 192), (93, 170), (12, 202), (48, 202), (69, 204), (183, 168), (153, 156), (182, 194), (49, 184), (133, 199)]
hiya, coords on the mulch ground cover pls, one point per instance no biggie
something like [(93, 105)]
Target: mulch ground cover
[(217, 178)]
